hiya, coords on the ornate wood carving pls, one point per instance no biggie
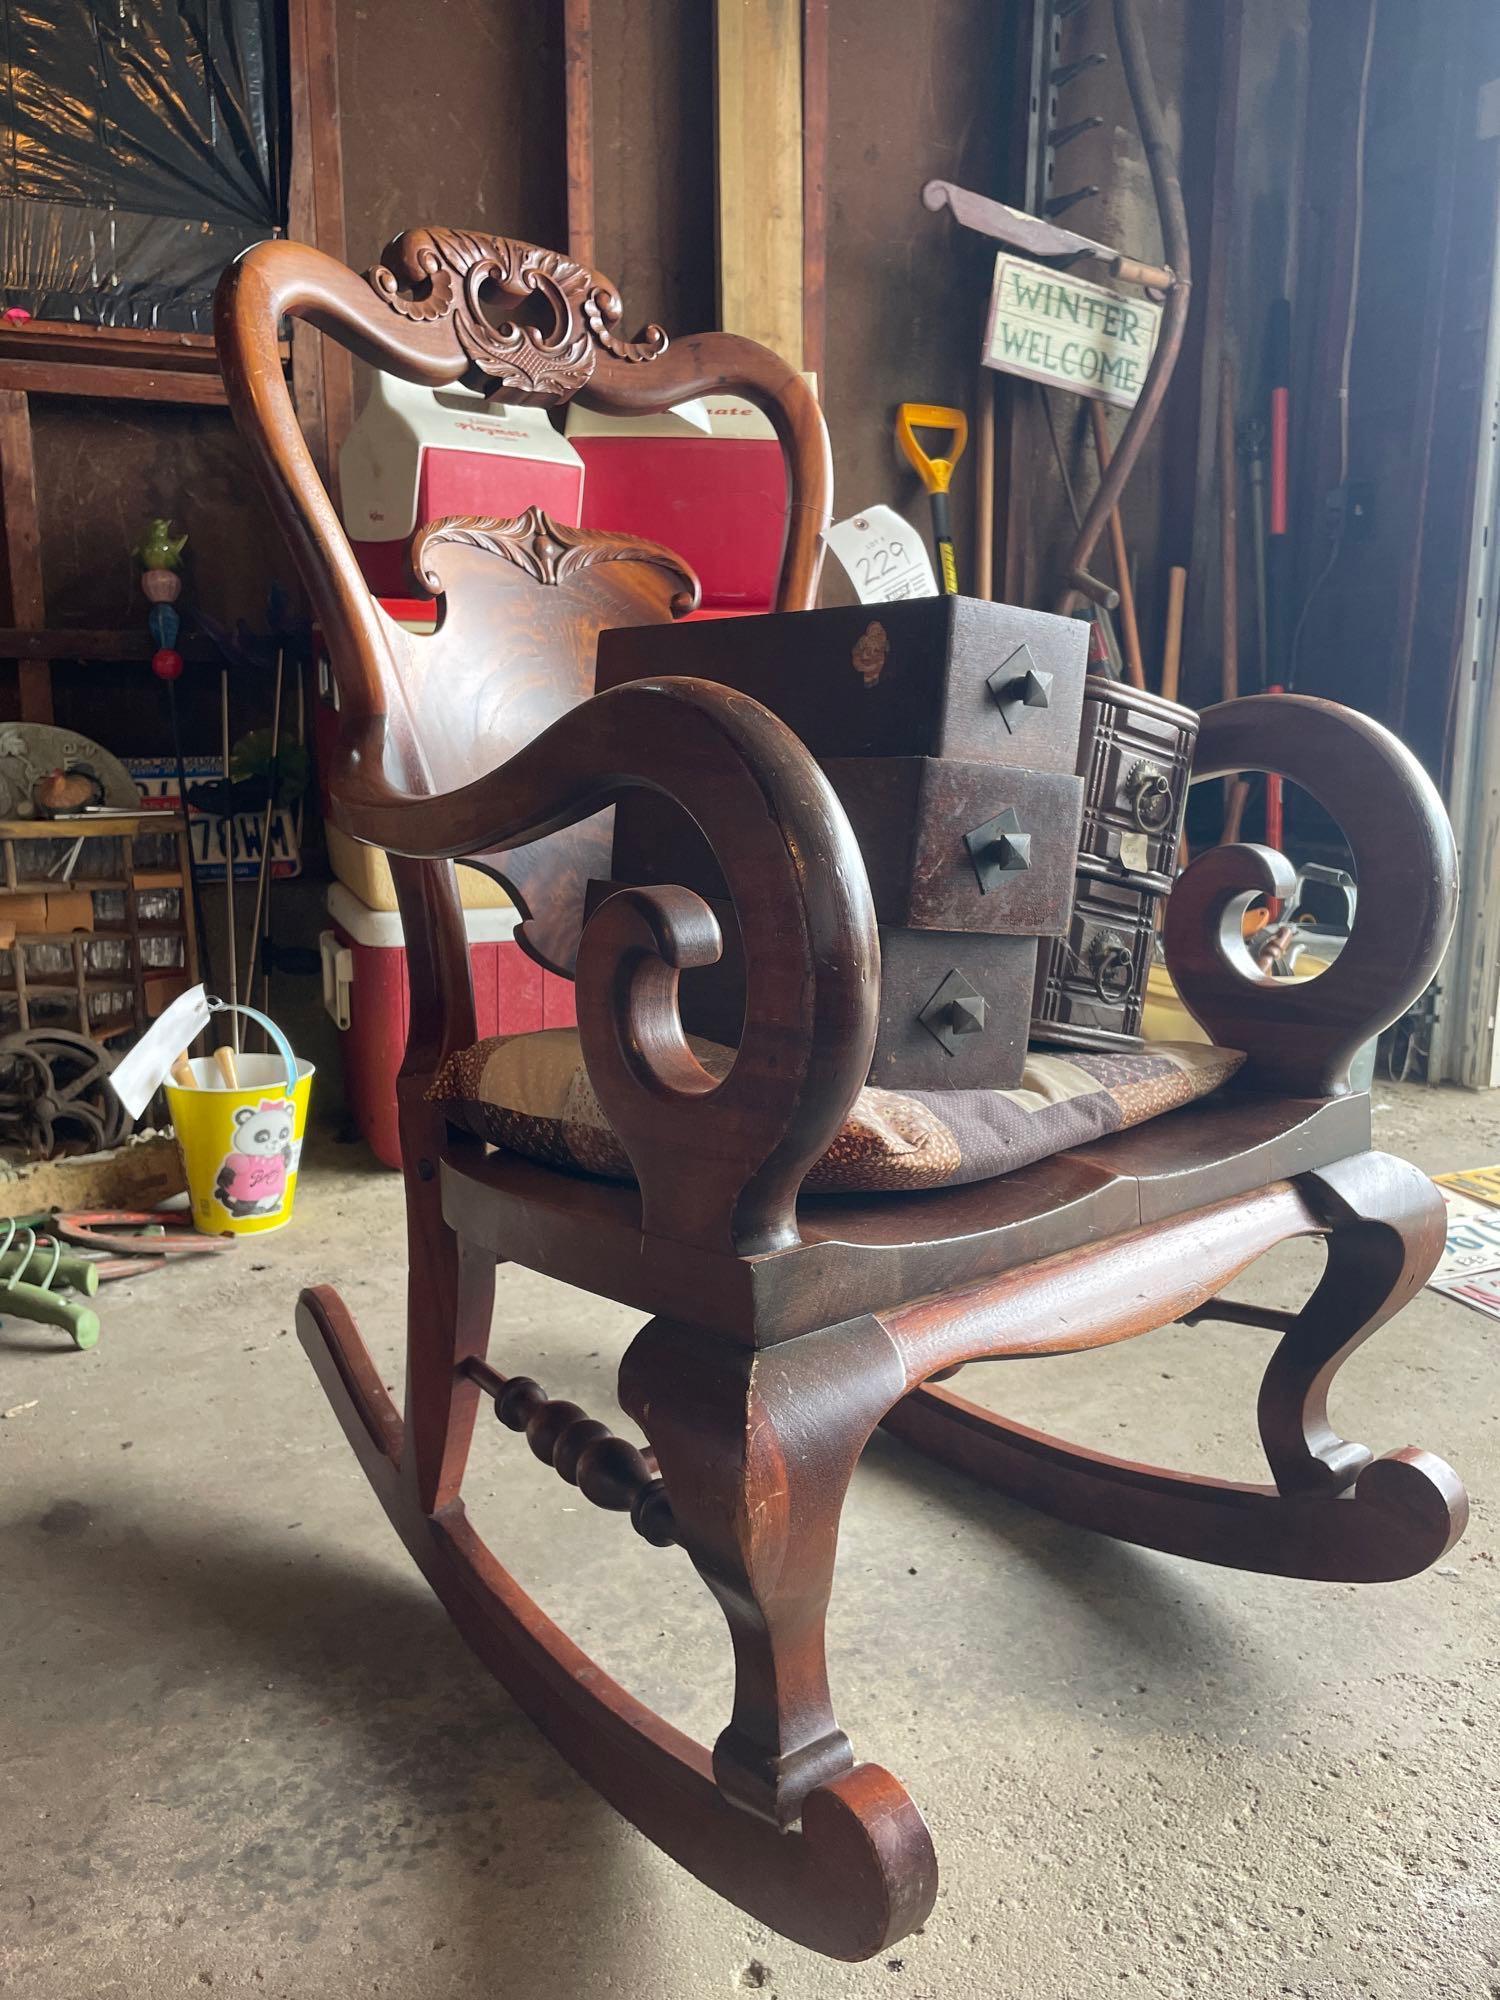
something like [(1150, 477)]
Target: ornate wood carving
[(547, 551), (437, 274)]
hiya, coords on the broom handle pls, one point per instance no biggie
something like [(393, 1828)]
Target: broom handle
[(1135, 665), (984, 487)]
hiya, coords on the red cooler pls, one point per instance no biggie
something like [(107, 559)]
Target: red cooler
[(365, 993), (707, 480)]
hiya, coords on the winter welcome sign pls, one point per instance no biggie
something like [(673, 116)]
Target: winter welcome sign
[(1064, 331)]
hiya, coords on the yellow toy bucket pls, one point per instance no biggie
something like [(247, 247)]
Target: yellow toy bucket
[(241, 1149)]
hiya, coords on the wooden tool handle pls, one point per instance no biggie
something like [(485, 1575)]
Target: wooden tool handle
[(1237, 795), (181, 1074), (1171, 657), (1130, 636), (224, 1057)]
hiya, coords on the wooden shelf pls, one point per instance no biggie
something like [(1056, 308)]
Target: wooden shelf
[(58, 887), (91, 826), (65, 358), (112, 933), (22, 643), (20, 986), (94, 982)]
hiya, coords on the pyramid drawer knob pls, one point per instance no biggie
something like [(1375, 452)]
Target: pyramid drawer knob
[(998, 848)]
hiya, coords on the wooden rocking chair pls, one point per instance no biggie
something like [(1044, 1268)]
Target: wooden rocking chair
[(785, 1330)]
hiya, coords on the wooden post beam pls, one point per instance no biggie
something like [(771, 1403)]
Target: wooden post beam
[(23, 546), (759, 64)]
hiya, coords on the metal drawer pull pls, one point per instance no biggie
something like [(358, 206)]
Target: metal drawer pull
[(1112, 965), (998, 848), (954, 1012), (1017, 684), (1150, 798)]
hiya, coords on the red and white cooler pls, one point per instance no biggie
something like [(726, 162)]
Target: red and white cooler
[(706, 479), (365, 992), (416, 455)]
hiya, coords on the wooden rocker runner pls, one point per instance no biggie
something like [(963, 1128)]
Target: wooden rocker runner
[(784, 1330)]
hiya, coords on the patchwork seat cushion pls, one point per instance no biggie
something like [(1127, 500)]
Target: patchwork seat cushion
[(531, 1094)]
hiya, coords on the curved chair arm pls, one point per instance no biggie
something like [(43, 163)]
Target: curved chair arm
[(1301, 1036), (719, 1162)]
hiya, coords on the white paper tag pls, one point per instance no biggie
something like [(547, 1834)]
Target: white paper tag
[(1135, 853), (136, 1077), (884, 556)]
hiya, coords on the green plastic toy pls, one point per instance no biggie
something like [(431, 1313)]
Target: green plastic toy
[(159, 548), (42, 1259)]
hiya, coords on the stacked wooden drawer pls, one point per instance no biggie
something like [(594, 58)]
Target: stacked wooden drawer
[(1136, 754), (949, 729)]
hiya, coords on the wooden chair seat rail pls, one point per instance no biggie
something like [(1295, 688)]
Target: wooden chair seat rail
[(1108, 1292)]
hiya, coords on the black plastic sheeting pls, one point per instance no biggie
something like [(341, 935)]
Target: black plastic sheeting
[(144, 145)]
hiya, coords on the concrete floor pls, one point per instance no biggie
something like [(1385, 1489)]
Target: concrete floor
[(243, 1750)]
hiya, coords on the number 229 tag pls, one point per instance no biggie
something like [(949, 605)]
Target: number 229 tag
[(883, 556)]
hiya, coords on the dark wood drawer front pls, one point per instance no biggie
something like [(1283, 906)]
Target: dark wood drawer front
[(1136, 753), (1091, 984), (953, 1010), (926, 828), (953, 846), (953, 1006), (938, 676)]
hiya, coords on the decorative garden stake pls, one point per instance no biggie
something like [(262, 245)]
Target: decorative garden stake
[(159, 553)]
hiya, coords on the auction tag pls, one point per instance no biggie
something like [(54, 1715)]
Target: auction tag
[(884, 556), (138, 1075)]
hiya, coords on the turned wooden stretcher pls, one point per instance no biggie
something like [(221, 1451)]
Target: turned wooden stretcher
[(783, 1330)]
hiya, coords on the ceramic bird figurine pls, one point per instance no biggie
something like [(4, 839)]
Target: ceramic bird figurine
[(59, 793), (159, 548)]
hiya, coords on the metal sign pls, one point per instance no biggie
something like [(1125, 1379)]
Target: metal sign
[(1062, 330)]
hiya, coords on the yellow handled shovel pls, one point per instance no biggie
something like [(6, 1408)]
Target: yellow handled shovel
[(936, 474)]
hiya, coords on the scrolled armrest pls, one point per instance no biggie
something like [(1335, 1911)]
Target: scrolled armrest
[(719, 1162), (1300, 1036)]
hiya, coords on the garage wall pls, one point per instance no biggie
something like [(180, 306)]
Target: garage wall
[(457, 123), (464, 124)]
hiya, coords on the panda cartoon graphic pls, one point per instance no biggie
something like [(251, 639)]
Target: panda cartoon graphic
[(253, 1177)]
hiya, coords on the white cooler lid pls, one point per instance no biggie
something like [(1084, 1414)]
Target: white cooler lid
[(383, 927)]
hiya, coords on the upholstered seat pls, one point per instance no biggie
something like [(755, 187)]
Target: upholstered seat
[(531, 1093)]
